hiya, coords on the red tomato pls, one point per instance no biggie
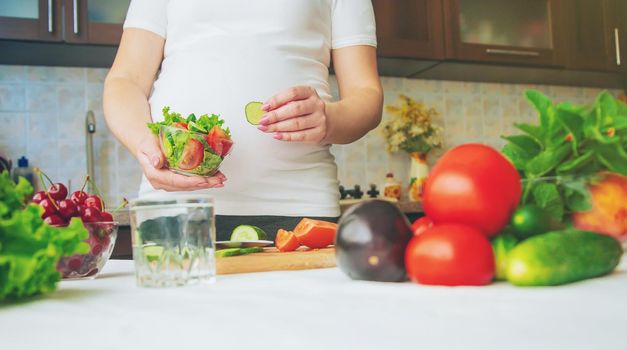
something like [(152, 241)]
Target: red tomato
[(421, 225), (315, 233), (180, 125), (286, 241), (219, 141), (192, 155), (473, 185), (450, 255)]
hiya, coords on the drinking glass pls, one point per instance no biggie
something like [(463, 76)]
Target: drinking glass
[(173, 240)]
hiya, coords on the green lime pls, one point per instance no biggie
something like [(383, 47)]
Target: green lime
[(530, 220), (153, 253), (254, 113), (223, 253), (248, 233)]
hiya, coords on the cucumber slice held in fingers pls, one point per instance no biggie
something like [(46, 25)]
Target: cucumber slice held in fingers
[(254, 113)]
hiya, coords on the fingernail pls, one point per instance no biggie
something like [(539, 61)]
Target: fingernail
[(155, 161), (263, 121), (278, 136), (265, 107), (262, 127)]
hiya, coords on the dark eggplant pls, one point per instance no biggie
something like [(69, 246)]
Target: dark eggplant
[(371, 241)]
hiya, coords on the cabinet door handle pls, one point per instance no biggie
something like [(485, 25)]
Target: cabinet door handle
[(512, 52), (50, 17), (617, 42), (75, 15)]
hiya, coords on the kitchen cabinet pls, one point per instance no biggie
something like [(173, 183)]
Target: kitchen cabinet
[(596, 34), (512, 32), (71, 21), (618, 33), (94, 21), (30, 20), (410, 28)]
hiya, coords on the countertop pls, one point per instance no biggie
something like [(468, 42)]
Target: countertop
[(317, 309), (406, 207)]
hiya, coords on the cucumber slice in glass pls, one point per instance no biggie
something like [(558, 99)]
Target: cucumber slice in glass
[(153, 253), (248, 233), (254, 112)]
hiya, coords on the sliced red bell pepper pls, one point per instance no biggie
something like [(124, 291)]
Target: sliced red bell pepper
[(286, 241), (315, 233)]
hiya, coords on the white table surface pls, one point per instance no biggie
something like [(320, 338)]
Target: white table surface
[(317, 309)]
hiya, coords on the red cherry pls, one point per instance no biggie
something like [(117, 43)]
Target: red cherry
[(106, 216), (96, 249), (75, 263), (49, 207), (94, 201), (58, 191), (91, 214), (39, 196), (78, 197), (67, 209), (55, 220)]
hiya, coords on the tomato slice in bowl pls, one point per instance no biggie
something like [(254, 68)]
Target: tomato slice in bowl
[(286, 241), (315, 233), (180, 125), (219, 141), (192, 155)]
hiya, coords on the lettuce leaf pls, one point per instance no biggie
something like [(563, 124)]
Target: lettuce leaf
[(29, 248), (202, 124)]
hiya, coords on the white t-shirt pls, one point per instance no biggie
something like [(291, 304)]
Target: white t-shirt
[(219, 55)]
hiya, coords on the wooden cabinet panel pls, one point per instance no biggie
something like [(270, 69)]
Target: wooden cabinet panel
[(31, 20), (499, 31), (84, 25), (618, 35), (410, 28)]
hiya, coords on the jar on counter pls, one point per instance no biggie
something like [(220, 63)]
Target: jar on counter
[(392, 187), (23, 170)]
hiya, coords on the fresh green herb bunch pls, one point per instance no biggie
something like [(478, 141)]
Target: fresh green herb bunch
[(569, 147)]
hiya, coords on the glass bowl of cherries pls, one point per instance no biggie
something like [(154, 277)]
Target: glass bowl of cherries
[(58, 210)]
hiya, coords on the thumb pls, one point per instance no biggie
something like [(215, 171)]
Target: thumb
[(152, 150)]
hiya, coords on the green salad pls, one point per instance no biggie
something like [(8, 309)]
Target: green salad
[(193, 145)]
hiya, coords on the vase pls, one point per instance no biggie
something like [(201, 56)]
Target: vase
[(418, 172)]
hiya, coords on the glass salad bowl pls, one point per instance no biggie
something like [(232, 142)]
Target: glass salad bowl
[(101, 241), (193, 153)]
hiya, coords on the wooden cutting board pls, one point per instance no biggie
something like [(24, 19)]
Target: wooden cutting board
[(273, 260)]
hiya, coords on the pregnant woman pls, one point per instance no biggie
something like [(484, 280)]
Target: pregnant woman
[(214, 56)]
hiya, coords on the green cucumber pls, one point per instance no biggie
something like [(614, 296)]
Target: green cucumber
[(560, 257), (253, 112), (248, 233), (167, 145), (192, 126), (223, 253), (251, 250), (502, 245)]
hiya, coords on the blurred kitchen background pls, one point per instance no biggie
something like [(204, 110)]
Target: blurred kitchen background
[(471, 60)]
